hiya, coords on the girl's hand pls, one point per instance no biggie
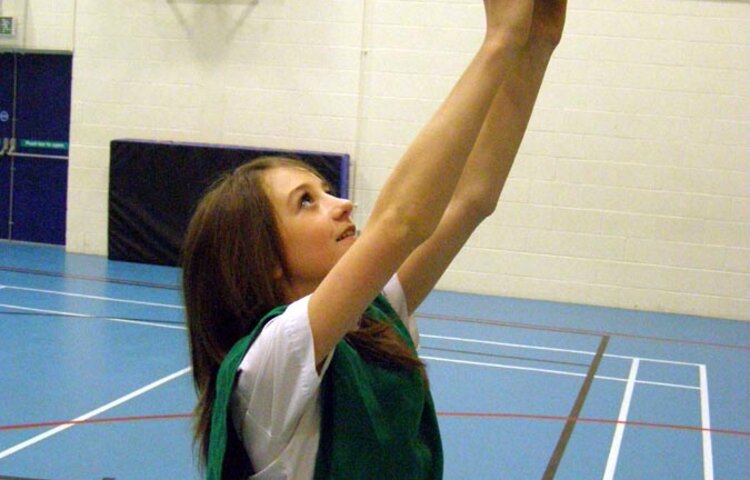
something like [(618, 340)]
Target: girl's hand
[(547, 23)]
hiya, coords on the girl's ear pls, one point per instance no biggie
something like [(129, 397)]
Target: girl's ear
[(281, 282)]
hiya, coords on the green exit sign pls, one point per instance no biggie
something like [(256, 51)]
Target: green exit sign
[(50, 144), (7, 27)]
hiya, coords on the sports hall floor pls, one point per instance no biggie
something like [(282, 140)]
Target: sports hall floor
[(95, 381)]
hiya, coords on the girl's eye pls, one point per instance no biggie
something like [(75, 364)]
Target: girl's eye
[(306, 200)]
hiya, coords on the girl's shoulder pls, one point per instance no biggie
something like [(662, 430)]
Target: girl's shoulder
[(394, 294), (286, 328)]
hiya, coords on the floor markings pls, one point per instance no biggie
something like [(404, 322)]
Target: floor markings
[(92, 413), (93, 297), (553, 372), (622, 417), (575, 331), (94, 317), (91, 278), (708, 457), (575, 412)]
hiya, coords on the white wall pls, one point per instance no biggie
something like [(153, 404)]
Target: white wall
[(632, 188), (41, 25)]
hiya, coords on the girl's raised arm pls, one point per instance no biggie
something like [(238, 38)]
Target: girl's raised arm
[(415, 197), (490, 161)]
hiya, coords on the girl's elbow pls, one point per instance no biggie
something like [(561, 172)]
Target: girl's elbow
[(407, 228), (478, 207)]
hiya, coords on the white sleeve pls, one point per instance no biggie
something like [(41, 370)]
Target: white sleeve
[(278, 381), (394, 293)]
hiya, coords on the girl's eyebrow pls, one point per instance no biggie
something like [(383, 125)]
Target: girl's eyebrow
[(306, 186)]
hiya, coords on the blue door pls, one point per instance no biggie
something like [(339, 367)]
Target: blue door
[(7, 67), (38, 157)]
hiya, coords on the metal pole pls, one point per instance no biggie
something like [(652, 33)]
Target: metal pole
[(12, 147)]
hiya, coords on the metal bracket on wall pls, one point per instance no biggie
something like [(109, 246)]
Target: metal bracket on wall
[(12, 153), (37, 155), (11, 147)]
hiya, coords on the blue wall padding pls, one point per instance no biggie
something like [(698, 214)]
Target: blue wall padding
[(154, 187)]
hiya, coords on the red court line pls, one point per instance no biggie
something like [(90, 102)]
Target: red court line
[(607, 421), (24, 426), (92, 278), (577, 331), (521, 416)]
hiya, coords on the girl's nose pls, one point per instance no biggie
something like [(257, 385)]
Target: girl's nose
[(342, 208)]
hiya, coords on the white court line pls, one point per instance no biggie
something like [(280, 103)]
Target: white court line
[(554, 372), (439, 359), (551, 349), (506, 367), (82, 315), (95, 297), (92, 413), (708, 457), (614, 451), (663, 384)]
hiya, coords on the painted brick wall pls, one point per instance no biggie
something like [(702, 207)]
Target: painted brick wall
[(269, 73), (40, 24), (632, 188)]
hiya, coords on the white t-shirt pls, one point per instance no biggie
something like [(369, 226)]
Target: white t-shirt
[(276, 404)]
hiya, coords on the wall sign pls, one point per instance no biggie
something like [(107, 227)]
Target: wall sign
[(43, 144), (7, 27)]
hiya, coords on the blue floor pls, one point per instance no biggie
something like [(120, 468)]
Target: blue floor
[(95, 381)]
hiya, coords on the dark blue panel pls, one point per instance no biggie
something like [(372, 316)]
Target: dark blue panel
[(4, 195), (6, 95), (39, 200), (42, 128), (43, 103), (154, 187), (6, 124)]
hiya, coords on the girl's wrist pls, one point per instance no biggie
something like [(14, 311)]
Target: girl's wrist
[(541, 50)]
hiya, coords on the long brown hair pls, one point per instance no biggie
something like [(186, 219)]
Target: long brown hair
[(231, 249)]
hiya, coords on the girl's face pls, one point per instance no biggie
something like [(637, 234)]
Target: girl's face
[(316, 227)]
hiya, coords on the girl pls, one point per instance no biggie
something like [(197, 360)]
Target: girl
[(301, 334)]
